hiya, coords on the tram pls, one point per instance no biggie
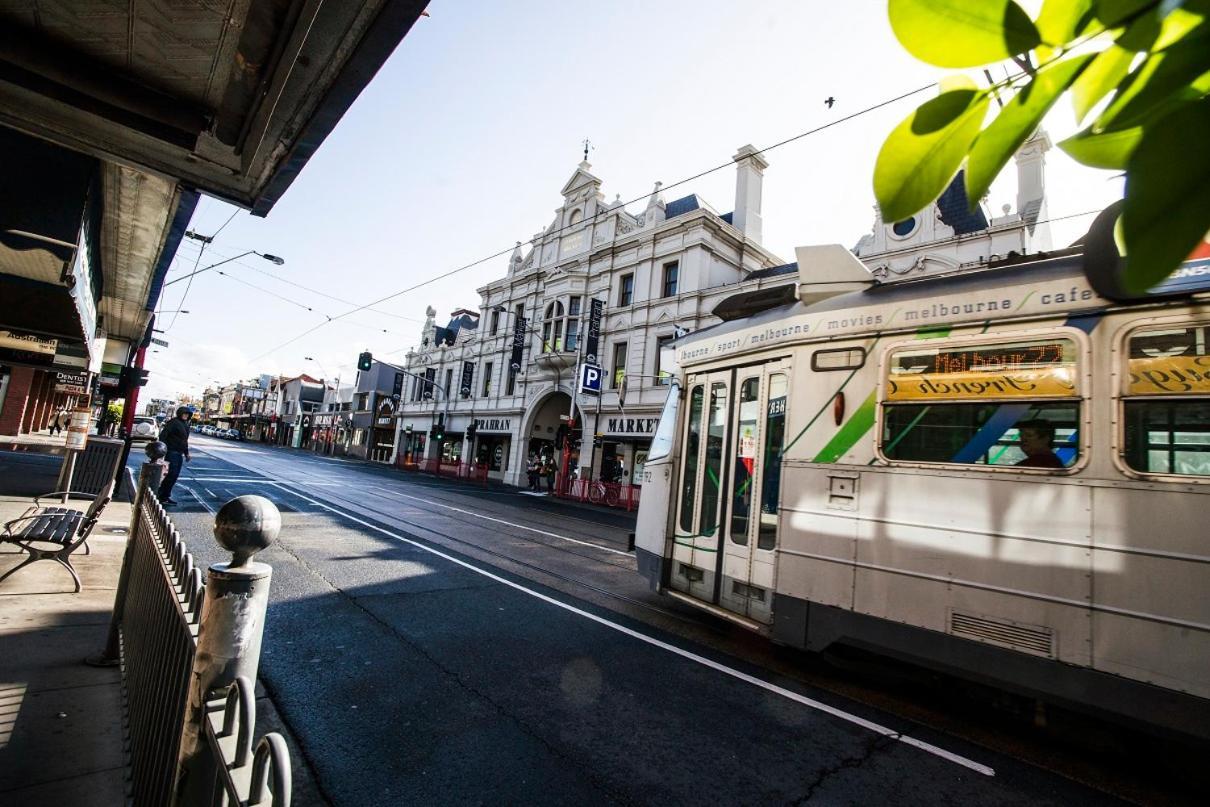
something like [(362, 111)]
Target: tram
[(998, 473)]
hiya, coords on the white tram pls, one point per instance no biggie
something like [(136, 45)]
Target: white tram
[(998, 473)]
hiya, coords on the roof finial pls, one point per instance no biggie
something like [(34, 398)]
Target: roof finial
[(588, 145)]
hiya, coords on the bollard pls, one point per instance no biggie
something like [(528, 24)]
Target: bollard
[(150, 475), (229, 637)]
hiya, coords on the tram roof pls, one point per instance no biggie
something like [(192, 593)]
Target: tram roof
[(965, 284)]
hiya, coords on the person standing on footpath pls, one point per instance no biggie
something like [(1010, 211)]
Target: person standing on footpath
[(175, 435)]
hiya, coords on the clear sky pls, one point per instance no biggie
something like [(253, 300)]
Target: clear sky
[(458, 149)]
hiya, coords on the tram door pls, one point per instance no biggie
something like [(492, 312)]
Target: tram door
[(726, 529), (700, 495), (753, 484)]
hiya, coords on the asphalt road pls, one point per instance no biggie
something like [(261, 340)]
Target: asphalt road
[(431, 643)]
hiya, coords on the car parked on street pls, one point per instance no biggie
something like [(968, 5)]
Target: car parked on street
[(144, 428)]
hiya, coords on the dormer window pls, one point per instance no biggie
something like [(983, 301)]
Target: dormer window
[(904, 228)]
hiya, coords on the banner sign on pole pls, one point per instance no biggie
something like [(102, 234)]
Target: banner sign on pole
[(468, 375), (429, 375), (77, 429), (518, 342), (592, 347)]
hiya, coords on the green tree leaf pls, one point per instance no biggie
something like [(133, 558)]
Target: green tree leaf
[(1162, 76), (923, 152), (1167, 207), (1114, 12), (1110, 150), (1104, 74), (1016, 122), (962, 33), (1059, 20)]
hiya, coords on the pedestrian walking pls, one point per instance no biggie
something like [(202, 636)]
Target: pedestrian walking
[(552, 471), (532, 470), (55, 426), (175, 435)]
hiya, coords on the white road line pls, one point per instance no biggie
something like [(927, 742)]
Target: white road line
[(225, 479), (200, 500), (810, 703), (501, 521)]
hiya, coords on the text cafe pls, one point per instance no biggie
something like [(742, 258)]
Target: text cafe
[(624, 448)]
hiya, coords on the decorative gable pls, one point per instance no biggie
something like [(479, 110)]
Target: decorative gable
[(582, 183)]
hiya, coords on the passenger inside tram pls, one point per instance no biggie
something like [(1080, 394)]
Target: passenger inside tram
[(1037, 441)]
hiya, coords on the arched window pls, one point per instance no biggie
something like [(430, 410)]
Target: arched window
[(574, 218), (552, 328), (561, 326)]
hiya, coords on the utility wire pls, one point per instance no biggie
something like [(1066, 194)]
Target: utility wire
[(678, 183), (198, 260)]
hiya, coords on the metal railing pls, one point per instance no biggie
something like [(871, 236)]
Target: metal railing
[(607, 494), (450, 469), (189, 651)]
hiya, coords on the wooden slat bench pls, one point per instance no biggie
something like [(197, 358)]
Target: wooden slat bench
[(54, 533)]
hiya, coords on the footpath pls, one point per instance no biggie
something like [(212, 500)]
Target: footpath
[(61, 721)]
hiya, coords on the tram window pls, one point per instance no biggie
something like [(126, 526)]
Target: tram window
[(983, 434), (1007, 404), (661, 444), (1167, 405), (693, 436), (775, 440), (842, 358), (716, 430), (745, 459)]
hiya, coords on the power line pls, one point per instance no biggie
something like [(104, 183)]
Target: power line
[(198, 260), (678, 183)]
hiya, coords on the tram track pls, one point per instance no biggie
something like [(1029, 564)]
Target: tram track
[(388, 518)]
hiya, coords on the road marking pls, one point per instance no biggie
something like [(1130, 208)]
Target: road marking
[(810, 703), (501, 521), (226, 479), (199, 499)]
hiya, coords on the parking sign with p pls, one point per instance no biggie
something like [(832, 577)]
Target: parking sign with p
[(590, 378)]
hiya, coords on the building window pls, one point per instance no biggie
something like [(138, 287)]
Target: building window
[(511, 385), (519, 311), (672, 273), (552, 328), (662, 378), (363, 401), (626, 289), (619, 365), (449, 383), (573, 306), (487, 379), (495, 322)]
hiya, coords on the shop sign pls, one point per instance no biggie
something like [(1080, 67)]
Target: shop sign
[(498, 425), (468, 375), (626, 427), (519, 329), (23, 347), (71, 383)]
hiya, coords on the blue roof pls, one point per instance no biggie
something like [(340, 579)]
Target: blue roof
[(727, 217), (955, 208), (679, 207)]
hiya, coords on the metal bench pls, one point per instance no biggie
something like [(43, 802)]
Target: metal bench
[(53, 533)]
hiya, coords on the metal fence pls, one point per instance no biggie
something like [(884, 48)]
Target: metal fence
[(189, 650), (607, 494)]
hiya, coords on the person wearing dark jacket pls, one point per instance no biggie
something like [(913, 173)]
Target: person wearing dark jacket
[(175, 435)]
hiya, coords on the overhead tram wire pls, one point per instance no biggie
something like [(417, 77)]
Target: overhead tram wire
[(678, 183), (198, 260)]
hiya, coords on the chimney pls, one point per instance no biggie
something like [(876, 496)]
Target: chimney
[(749, 175)]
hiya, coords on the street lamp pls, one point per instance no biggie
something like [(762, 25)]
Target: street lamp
[(270, 258)]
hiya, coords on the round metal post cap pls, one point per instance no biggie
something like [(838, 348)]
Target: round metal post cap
[(156, 450), (246, 525)]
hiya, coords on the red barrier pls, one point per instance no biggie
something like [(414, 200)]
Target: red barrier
[(608, 494), (469, 472)]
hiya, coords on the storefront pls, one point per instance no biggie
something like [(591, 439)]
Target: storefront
[(625, 444), (382, 435), (493, 444)]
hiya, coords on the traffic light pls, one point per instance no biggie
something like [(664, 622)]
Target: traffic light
[(470, 430), (365, 361), (132, 377), (438, 432), (598, 440)]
